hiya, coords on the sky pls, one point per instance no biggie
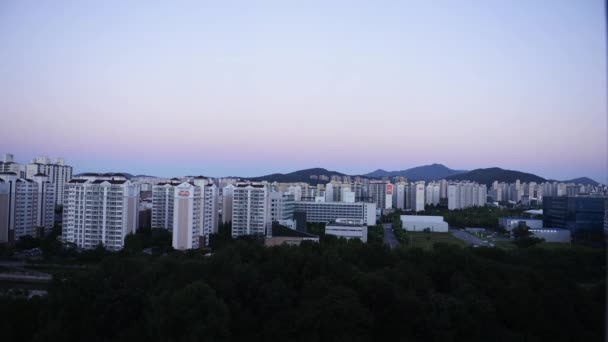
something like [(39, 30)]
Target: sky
[(248, 88)]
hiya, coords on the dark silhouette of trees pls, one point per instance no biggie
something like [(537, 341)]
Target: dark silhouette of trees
[(335, 290)]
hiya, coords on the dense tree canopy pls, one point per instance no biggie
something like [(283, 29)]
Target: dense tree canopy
[(332, 291)]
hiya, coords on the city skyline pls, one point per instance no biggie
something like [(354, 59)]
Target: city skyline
[(238, 89)]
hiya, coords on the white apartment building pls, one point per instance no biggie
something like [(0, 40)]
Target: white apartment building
[(381, 193), (187, 216), (281, 206), (210, 208), (22, 208), (399, 195), (433, 193), (162, 204), (416, 199), (227, 195), (465, 195), (100, 210), (250, 210), (45, 204), (58, 173)]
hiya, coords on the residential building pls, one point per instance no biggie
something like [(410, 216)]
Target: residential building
[(251, 210), (381, 193), (282, 206), (187, 216), (45, 202), (417, 196), (59, 173), (227, 193), (100, 210), (162, 204)]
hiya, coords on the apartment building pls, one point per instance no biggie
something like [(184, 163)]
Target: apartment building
[(250, 210), (100, 210)]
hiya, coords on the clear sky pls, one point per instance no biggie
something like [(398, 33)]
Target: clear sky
[(254, 87)]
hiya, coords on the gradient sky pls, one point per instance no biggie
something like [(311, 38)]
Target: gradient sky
[(254, 87)]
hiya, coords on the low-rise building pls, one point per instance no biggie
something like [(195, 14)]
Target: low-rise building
[(419, 223), (509, 223), (324, 212), (348, 229)]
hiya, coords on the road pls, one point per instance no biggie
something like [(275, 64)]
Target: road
[(468, 238), (389, 236)]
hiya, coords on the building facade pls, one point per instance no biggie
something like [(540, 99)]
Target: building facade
[(251, 210), (100, 210)]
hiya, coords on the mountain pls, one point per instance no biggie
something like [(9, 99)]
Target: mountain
[(582, 180), (487, 176), (425, 173), (298, 176)]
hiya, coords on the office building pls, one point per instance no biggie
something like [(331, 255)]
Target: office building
[(324, 212), (251, 210), (555, 235), (576, 214), (510, 223)]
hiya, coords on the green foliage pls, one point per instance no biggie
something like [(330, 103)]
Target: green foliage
[(476, 217), (375, 234), (337, 290), (27, 242)]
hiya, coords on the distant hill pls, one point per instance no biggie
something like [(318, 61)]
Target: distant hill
[(582, 180), (106, 174), (487, 176), (298, 176), (425, 173)]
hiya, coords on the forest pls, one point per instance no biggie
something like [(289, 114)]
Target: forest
[(335, 290)]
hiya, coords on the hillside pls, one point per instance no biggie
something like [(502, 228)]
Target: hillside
[(425, 173), (297, 176), (582, 180), (489, 175)]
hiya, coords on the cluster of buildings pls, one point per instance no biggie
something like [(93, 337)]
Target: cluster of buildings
[(29, 194), (532, 193), (105, 208)]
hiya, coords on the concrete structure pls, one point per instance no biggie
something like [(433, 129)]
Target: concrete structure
[(418, 223), (348, 229), (187, 216), (251, 210), (509, 223), (100, 210), (327, 212)]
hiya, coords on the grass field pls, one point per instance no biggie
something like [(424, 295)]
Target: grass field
[(426, 240)]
